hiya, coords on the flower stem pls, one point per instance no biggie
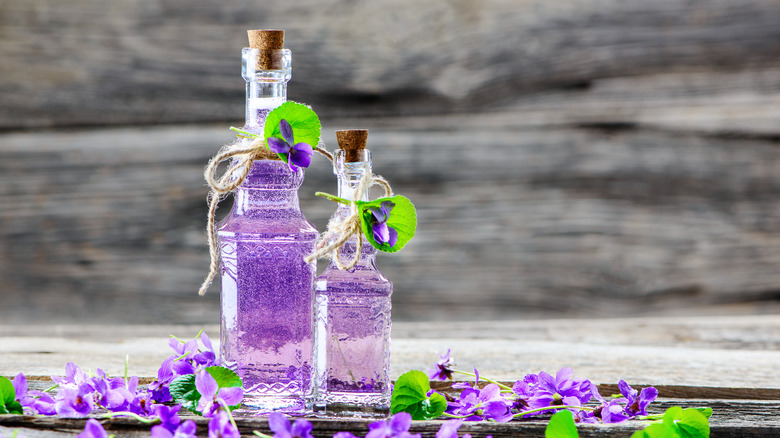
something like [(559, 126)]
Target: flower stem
[(547, 408), (131, 414), (454, 416), (330, 197), (466, 373), (262, 435), (230, 414), (244, 133), (51, 388)]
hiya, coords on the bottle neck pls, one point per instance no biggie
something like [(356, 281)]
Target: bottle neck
[(269, 186), (349, 178), (266, 88)]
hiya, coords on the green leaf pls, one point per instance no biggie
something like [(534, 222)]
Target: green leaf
[(561, 425), (8, 403), (303, 120), (707, 412), (688, 423), (659, 430), (403, 218), (184, 392), (410, 395), (693, 424)]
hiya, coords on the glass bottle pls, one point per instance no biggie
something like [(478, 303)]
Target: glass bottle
[(352, 315), (266, 328)]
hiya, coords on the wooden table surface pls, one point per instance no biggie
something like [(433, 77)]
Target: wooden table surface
[(727, 363)]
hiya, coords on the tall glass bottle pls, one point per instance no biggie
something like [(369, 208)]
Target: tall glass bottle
[(352, 316), (267, 300)]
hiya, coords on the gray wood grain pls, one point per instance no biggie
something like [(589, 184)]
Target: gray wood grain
[(131, 62), (108, 225)]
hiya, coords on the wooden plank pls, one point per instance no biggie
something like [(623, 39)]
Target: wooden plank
[(96, 63), (108, 225), (642, 357), (730, 419)]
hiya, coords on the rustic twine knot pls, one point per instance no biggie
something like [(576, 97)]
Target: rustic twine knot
[(242, 155), (348, 226)]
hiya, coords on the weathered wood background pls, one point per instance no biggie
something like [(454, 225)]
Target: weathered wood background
[(568, 158)]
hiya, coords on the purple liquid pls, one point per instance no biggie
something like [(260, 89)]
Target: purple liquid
[(353, 337), (267, 300)]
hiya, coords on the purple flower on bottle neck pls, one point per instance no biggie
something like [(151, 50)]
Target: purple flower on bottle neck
[(282, 428), (298, 154), (480, 404), (212, 397), (221, 427), (637, 401), (396, 426), (383, 233), (75, 402), (93, 429), (443, 368)]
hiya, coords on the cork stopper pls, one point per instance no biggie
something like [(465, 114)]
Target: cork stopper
[(352, 141), (267, 41)]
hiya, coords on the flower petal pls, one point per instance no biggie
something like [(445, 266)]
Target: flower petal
[(278, 145), (20, 386), (286, 130), (206, 385), (301, 154), (400, 422), (278, 423), (232, 396), (392, 240), (381, 232)]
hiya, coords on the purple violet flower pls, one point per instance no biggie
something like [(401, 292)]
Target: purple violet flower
[(396, 426), (74, 376), (383, 233), (44, 403), (20, 389), (93, 429), (160, 388), (282, 428), (637, 404), (443, 368), (560, 390), (298, 154), (480, 404), (609, 411), (169, 416), (187, 429), (207, 357), (75, 402), (212, 397), (221, 427), (449, 429)]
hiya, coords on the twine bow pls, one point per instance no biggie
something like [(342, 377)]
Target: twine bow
[(349, 226)]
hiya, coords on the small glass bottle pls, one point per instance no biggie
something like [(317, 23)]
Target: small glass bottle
[(267, 300), (352, 316)]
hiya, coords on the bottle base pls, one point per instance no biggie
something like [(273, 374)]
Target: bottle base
[(349, 404), (253, 406)]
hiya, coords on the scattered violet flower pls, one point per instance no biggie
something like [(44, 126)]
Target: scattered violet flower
[(480, 404), (111, 394), (207, 357), (74, 376), (282, 428), (298, 154), (383, 233), (160, 388), (466, 385), (443, 368), (610, 411), (187, 429), (212, 397), (93, 429), (20, 389), (169, 416), (560, 390), (44, 403), (221, 427), (75, 402), (637, 403), (396, 426), (449, 429)]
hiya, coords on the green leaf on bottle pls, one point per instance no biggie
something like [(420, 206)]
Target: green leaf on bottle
[(8, 403), (410, 394), (561, 425), (185, 393), (403, 218), (303, 120)]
